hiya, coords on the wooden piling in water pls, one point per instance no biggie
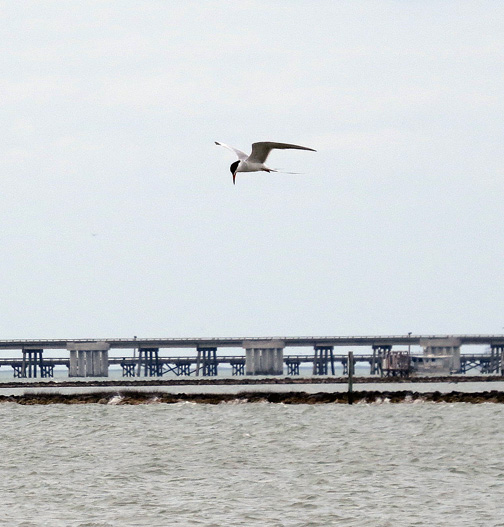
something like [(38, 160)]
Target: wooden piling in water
[(350, 376)]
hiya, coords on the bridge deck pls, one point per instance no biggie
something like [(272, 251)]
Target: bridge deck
[(235, 342)]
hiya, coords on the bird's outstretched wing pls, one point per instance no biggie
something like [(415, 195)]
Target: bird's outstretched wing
[(260, 151), (241, 155)]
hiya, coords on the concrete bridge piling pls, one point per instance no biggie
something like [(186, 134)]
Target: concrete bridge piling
[(264, 357), (88, 359)]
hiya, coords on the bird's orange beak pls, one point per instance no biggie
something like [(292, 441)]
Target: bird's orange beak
[(234, 176)]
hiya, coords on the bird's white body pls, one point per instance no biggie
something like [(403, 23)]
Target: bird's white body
[(255, 161), (250, 166)]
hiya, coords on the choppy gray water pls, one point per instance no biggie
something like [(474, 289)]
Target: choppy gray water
[(252, 465)]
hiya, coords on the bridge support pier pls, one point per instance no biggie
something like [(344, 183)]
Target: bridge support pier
[(293, 367), (46, 370), (206, 362), (88, 359), (323, 356), (237, 368), (379, 351), (18, 370), (496, 359), (31, 359), (264, 357), (183, 368), (128, 369), (149, 358)]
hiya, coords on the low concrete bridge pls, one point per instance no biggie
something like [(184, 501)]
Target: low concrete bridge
[(237, 342), (90, 357)]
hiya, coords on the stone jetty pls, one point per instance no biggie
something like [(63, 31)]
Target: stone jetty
[(132, 397)]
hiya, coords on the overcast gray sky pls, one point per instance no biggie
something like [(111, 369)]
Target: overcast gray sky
[(118, 213)]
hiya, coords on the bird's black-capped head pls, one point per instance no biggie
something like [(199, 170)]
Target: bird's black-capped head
[(234, 168)]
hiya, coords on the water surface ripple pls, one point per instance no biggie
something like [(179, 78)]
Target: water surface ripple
[(252, 465)]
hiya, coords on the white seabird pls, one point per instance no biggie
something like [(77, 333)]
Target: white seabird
[(260, 152)]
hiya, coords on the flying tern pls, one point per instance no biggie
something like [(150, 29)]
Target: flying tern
[(255, 161)]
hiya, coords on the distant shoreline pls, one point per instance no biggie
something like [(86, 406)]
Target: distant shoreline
[(153, 397)]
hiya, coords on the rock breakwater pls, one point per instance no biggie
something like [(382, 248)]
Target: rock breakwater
[(130, 397)]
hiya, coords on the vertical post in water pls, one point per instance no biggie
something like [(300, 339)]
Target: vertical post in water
[(198, 362), (350, 376)]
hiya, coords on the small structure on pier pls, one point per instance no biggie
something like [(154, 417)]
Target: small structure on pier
[(396, 364), (88, 359), (264, 357), (441, 356)]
